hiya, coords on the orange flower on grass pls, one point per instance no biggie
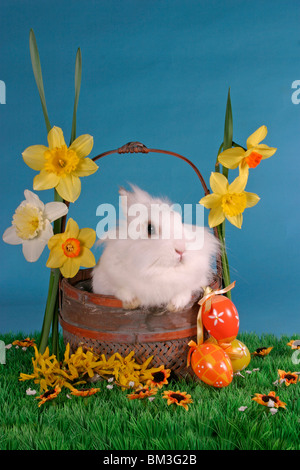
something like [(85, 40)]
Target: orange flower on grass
[(261, 352), (288, 377), (24, 343), (159, 378), (294, 344), (269, 400), (179, 398), (48, 395), (143, 392), (85, 392)]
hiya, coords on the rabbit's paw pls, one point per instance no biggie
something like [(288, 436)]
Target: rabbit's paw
[(178, 303), (131, 304)]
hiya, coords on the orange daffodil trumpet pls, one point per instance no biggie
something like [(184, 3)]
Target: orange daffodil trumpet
[(60, 166), (250, 158), (71, 249), (228, 200)]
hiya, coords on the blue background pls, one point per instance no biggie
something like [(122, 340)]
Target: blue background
[(158, 72)]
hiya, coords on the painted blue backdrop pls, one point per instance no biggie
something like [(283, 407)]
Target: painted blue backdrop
[(158, 72)]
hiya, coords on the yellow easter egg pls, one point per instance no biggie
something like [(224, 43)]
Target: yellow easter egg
[(239, 349)]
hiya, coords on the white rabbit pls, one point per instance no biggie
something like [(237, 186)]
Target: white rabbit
[(154, 259)]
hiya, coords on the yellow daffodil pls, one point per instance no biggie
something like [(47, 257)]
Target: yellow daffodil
[(250, 158), (60, 166), (71, 249), (228, 200)]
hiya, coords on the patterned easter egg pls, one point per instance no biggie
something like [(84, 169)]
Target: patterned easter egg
[(222, 320), (211, 364), (241, 349)]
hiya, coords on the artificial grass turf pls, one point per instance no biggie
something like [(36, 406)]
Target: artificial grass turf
[(110, 421)]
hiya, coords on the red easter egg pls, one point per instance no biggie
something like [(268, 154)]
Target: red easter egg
[(211, 364), (222, 320)]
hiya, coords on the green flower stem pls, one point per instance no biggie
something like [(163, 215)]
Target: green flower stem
[(224, 258), (55, 330), (55, 289), (50, 308), (51, 311), (227, 143)]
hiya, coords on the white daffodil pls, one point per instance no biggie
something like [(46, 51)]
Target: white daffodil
[(31, 225)]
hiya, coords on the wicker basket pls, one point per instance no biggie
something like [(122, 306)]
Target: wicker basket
[(100, 322)]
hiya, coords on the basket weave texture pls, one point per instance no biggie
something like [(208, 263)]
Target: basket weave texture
[(100, 322)]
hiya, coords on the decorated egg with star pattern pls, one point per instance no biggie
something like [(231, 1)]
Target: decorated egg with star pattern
[(222, 320), (240, 349), (211, 364)]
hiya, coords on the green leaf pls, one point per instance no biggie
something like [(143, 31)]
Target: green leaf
[(228, 130), (217, 165), (78, 71), (37, 71)]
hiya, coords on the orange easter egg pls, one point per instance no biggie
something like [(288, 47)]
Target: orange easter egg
[(211, 364), (222, 320)]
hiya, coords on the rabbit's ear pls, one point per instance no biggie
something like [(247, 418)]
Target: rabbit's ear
[(124, 195), (136, 196)]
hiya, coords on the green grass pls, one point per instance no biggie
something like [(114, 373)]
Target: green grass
[(109, 421)]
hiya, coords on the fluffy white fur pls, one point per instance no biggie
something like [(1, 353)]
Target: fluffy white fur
[(155, 271)]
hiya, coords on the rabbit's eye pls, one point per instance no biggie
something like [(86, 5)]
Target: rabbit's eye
[(151, 229)]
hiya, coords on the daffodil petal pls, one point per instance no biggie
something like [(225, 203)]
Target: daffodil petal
[(83, 145), (87, 236), (218, 183), (32, 249), (216, 216), (56, 138), (210, 201), (85, 167), (231, 158), (10, 236), (257, 136), (265, 151), (252, 199), (238, 185), (33, 199), (70, 268), (72, 228), (56, 257), (56, 240), (55, 210), (86, 258), (236, 220), (34, 156), (244, 169), (45, 180), (69, 188), (47, 233)]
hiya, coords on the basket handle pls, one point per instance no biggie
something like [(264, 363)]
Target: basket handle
[(138, 147)]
